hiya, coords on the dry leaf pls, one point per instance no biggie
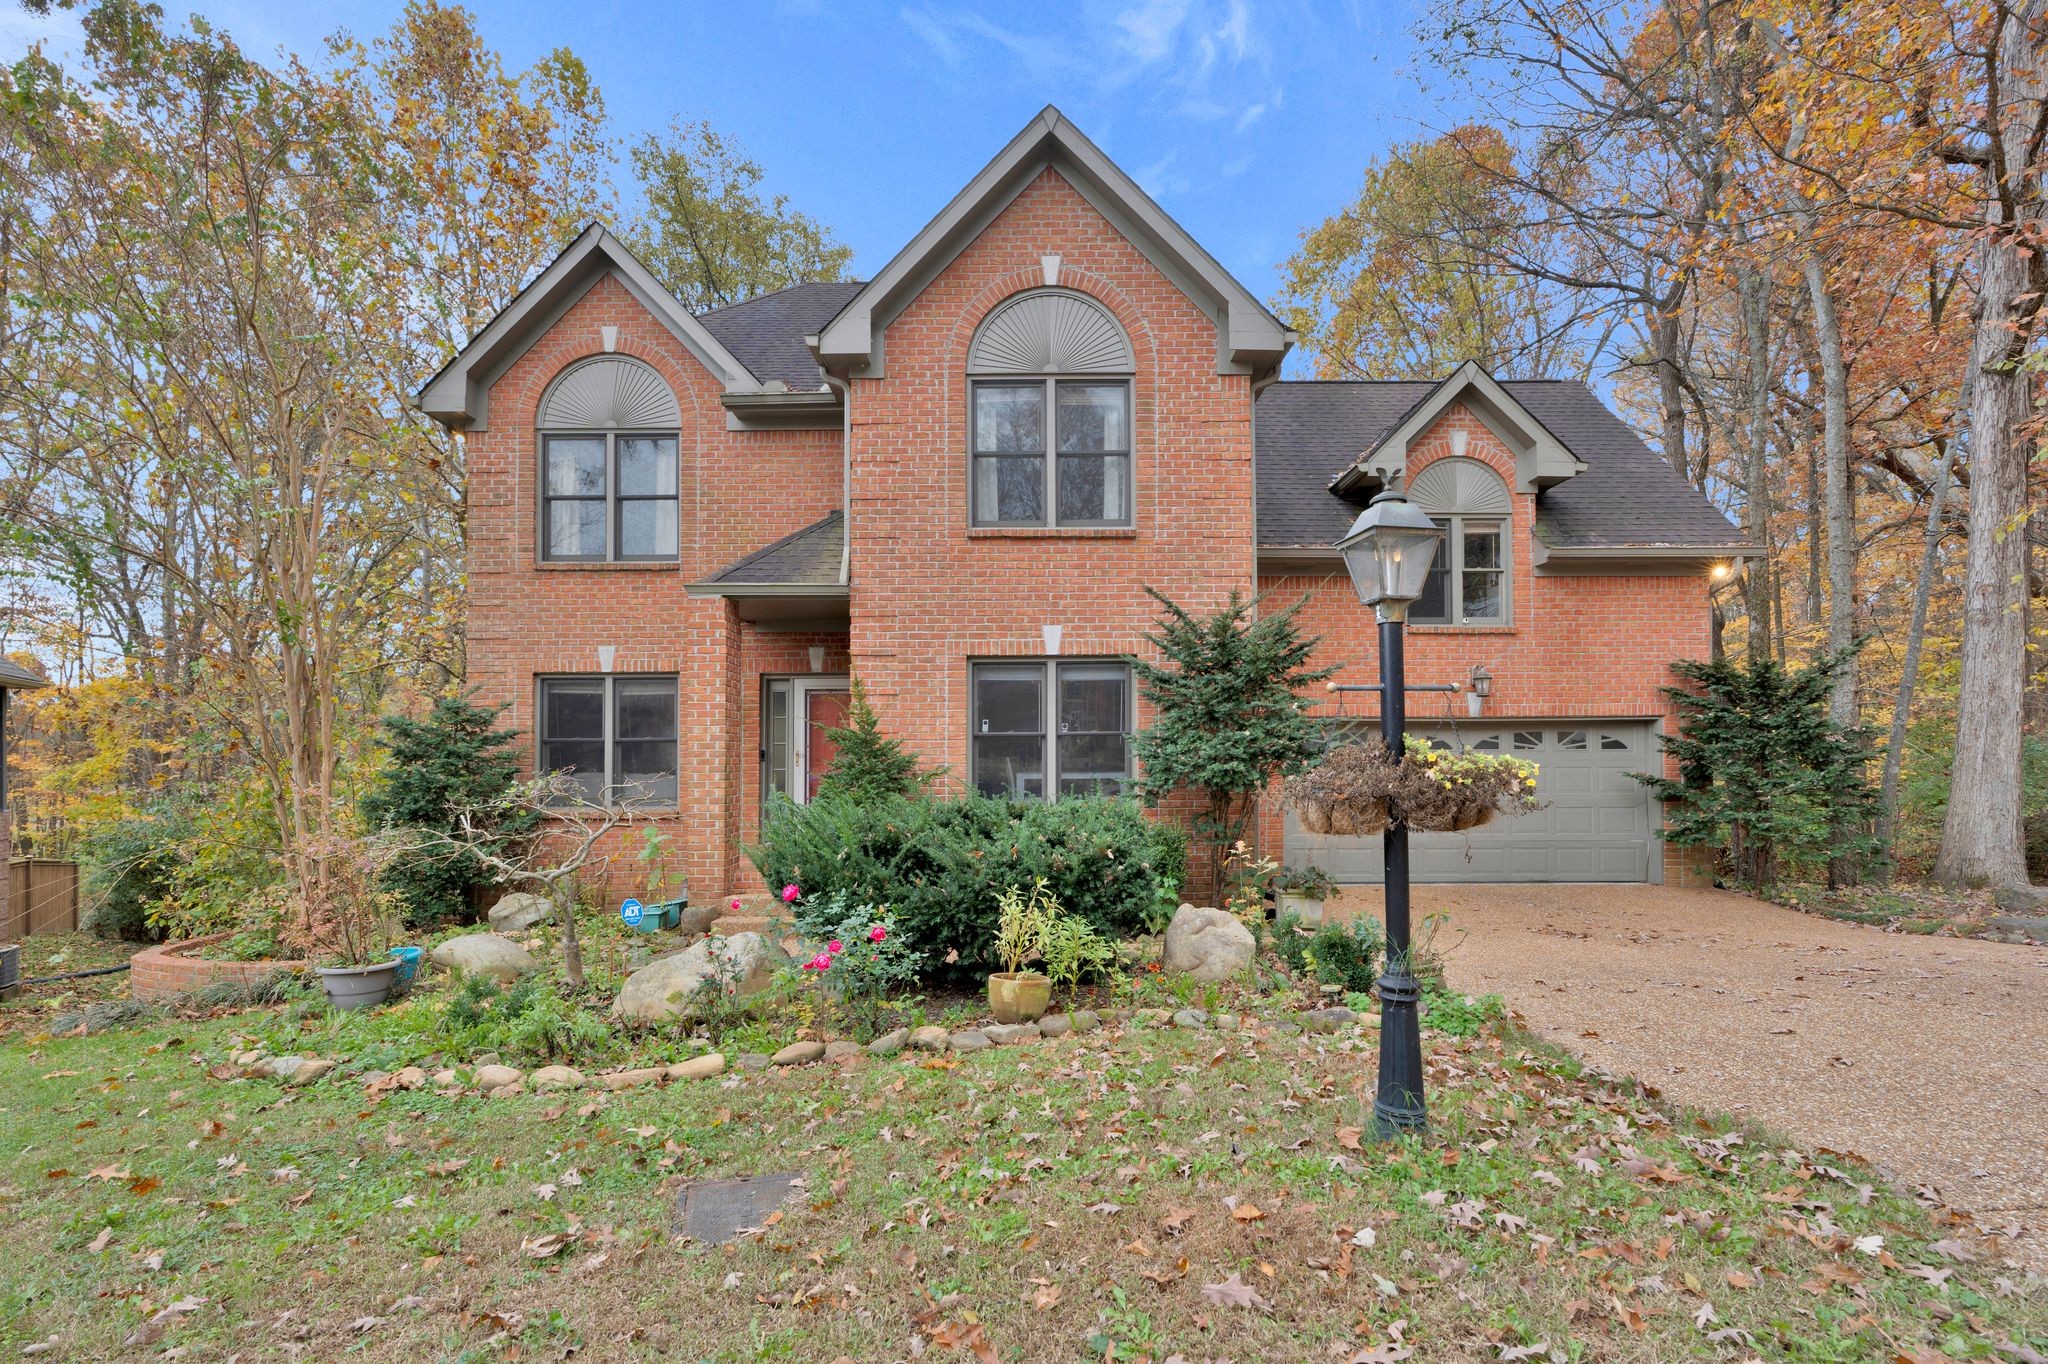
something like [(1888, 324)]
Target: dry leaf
[(1234, 1292)]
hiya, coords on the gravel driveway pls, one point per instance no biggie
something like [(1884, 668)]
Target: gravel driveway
[(1929, 1056)]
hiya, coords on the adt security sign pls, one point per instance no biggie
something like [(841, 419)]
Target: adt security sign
[(631, 913)]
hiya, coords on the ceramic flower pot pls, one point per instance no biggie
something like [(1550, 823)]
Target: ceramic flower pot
[(358, 987), (1018, 996)]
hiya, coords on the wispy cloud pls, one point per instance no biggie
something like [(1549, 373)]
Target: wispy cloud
[(933, 34), (1151, 27)]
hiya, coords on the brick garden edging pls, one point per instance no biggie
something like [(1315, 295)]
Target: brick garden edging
[(169, 970)]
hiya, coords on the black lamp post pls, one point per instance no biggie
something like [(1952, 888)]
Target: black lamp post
[(1388, 554)]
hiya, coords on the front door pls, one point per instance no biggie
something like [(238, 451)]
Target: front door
[(824, 709), (796, 712)]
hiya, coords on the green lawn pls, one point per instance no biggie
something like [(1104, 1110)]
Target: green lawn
[(1154, 1193)]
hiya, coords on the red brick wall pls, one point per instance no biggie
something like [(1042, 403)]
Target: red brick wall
[(929, 593), (6, 851), (1574, 645), (738, 491)]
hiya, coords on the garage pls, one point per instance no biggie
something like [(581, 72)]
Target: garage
[(1597, 823)]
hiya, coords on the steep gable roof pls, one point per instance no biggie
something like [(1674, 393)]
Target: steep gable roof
[(1627, 497), (1249, 338), (459, 395), (1541, 459)]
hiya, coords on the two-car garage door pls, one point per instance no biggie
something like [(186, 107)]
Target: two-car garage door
[(1597, 823)]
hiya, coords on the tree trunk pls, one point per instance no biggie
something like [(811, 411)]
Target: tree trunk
[(1841, 521), (1756, 322), (1916, 634), (1665, 334), (1980, 840)]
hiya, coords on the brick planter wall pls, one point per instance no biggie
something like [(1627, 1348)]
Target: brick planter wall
[(168, 970)]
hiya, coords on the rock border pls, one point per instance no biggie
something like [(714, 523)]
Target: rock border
[(488, 1077)]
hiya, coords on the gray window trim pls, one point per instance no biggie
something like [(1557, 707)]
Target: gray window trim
[(609, 682), (1454, 577), (1052, 519), (614, 500), (1048, 719)]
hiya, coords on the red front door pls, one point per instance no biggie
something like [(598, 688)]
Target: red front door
[(823, 710)]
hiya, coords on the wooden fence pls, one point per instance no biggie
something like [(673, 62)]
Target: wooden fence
[(42, 897)]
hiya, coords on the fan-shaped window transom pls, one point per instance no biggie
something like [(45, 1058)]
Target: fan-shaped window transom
[(1050, 331), (609, 392)]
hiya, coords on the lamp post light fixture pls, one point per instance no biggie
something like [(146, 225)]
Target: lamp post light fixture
[(1388, 553)]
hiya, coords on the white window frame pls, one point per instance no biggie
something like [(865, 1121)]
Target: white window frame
[(610, 682), (1051, 772), (614, 500)]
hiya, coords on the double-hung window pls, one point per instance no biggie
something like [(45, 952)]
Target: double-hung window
[(1059, 727), (608, 496), (615, 735), (1467, 582), (1052, 452)]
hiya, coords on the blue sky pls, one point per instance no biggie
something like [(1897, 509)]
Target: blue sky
[(1247, 121)]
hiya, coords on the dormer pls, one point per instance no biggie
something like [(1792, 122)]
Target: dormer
[(1541, 459)]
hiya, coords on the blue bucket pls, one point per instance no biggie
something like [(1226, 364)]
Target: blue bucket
[(408, 964)]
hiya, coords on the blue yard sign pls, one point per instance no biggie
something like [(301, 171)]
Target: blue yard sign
[(631, 912)]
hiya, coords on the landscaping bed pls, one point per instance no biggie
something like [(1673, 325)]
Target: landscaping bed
[(1911, 907), (170, 970)]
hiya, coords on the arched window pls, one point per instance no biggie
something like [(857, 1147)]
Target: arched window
[(1049, 379), (608, 429), (1468, 582)]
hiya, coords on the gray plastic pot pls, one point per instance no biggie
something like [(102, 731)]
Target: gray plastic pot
[(358, 987)]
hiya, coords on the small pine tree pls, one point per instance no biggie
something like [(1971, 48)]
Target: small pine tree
[(1764, 772), (455, 758), (869, 765), (1229, 716)]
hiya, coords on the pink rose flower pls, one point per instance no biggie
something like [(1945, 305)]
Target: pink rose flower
[(877, 933), (735, 904), (819, 962), (835, 947), (789, 893)]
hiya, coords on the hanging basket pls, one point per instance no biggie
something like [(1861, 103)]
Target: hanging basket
[(1358, 789)]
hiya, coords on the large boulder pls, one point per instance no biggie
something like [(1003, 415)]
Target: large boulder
[(667, 986), (1207, 944), (519, 911), (483, 954)]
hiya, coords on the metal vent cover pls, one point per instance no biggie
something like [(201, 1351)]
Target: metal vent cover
[(1050, 331), (610, 391)]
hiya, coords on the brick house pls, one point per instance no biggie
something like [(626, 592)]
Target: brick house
[(955, 479)]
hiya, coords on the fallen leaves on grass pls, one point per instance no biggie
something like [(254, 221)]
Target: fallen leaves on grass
[(1235, 1292), (152, 1330)]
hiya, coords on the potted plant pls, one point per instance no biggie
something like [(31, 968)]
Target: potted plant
[(1301, 891), (345, 924), (1016, 995)]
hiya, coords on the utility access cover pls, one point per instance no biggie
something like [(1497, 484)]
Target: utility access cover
[(716, 1211)]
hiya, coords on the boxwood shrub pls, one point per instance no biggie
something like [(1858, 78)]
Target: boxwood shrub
[(940, 863)]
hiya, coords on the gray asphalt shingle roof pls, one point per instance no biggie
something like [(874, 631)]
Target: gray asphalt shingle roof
[(1309, 432), (766, 334), (809, 557), (14, 675)]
